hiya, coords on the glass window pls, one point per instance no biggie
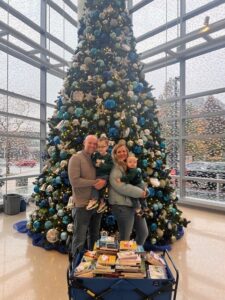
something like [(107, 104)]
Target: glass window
[(211, 149), (3, 70), (24, 108), (3, 103), (55, 22), (23, 79), (24, 29), (70, 35), (54, 85), (19, 126), (31, 9), (21, 156), (158, 79), (203, 73), (191, 5)]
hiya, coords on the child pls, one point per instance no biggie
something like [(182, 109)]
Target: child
[(134, 177), (103, 163)]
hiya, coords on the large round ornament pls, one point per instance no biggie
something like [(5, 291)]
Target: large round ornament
[(52, 235)]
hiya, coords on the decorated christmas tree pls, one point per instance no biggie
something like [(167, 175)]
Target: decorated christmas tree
[(105, 92)]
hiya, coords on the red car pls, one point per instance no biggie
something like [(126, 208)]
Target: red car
[(26, 163)]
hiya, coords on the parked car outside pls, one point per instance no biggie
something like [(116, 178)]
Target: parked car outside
[(26, 163), (215, 170)]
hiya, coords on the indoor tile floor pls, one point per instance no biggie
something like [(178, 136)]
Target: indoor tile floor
[(31, 273)]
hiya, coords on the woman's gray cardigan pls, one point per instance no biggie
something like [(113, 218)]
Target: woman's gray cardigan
[(120, 192)]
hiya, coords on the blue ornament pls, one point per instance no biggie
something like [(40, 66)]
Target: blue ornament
[(51, 211), (36, 225), (132, 56), (113, 132), (60, 115), (100, 62), (36, 189), (138, 88), (97, 32), (153, 227), (107, 75), (155, 206), (64, 174), (48, 224), (159, 163), (56, 140), (93, 51), (110, 83), (149, 94), (141, 121), (162, 145), (110, 220), (66, 116), (65, 198), (63, 154), (78, 112), (117, 123), (151, 192), (159, 194), (59, 102), (144, 163), (58, 180), (166, 198), (65, 220), (137, 149), (43, 203), (160, 205), (110, 104), (63, 236)]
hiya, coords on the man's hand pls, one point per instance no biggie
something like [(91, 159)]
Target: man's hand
[(100, 183), (144, 194)]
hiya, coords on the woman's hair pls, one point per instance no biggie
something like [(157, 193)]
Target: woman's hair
[(114, 156)]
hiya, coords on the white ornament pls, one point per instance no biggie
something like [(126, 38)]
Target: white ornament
[(154, 182), (52, 236)]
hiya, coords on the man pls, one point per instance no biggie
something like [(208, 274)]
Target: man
[(82, 176)]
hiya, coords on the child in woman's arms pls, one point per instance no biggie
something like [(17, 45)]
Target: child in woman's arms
[(134, 177)]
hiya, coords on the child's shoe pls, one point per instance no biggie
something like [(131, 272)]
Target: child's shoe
[(92, 204), (102, 207)]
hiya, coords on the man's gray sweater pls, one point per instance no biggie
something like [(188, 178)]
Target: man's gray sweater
[(82, 176)]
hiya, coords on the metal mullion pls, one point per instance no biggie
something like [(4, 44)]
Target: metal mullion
[(182, 102), (25, 53), (62, 12), (29, 60), (71, 5), (11, 115), (8, 134), (204, 136), (22, 97), (43, 83), (174, 22), (205, 115), (205, 93), (19, 176), (34, 26), (196, 34), (30, 42), (139, 5), (191, 52)]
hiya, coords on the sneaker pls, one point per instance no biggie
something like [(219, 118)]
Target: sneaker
[(102, 207), (92, 204)]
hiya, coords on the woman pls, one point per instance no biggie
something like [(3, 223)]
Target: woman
[(119, 198)]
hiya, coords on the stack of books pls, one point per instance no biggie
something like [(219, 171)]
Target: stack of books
[(157, 272), (105, 264), (130, 265), (106, 245)]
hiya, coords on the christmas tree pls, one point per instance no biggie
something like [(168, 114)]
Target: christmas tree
[(105, 93)]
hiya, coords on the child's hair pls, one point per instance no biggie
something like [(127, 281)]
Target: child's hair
[(104, 139), (131, 154)]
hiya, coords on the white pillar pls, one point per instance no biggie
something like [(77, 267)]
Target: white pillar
[(80, 8)]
